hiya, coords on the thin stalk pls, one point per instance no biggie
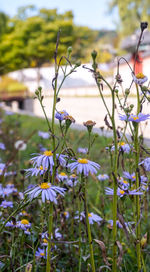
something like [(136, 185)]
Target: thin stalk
[(137, 154), (88, 226), (50, 225), (50, 219), (114, 169), (80, 253)]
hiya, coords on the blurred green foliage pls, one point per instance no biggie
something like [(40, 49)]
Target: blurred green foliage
[(29, 38), (131, 13), (11, 86)]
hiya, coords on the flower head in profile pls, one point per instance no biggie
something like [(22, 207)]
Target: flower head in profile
[(84, 166), (121, 192), (72, 181), (2, 146), (45, 160), (135, 118), (60, 115), (62, 176), (103, 177), (89, 125), (82, 150), (6, 204), (44, 135), (139, 78), (24, 224), (146, 163), (35, 171), (65, 214), (124, 147), (129, 176), (124, 184), (47, 191), (91, 216)]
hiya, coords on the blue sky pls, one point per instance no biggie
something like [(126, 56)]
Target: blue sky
[(92, 13)]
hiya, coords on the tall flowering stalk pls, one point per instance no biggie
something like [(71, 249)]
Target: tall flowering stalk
[(51, 127), (99, 78)]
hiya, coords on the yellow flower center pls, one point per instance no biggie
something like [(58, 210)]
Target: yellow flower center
[(135, 118), (125, 182), (41, 167), (133, 177), (24, 222), (24, 212), (122, 143), (122, 192), (44, 185), (61, 112), (65, 213), (83, 161), (89, 215), (140, 75), (45, 241), (48, 153), (73, 176), (42, 254), (62, 174)]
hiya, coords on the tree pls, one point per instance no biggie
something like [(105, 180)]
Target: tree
[(131, 13)]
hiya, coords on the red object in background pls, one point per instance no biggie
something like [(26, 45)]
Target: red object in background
[(138, 63)]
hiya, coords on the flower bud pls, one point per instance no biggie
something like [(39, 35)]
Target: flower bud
[(127, 91), (94, 55), (78, 63), (69, 50), (144, 25), (131, 106)]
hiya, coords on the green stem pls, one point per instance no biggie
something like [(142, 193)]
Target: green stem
[(88, 226), (137, 154), (80, 253), (114, 169), (50, 225), (50, 219)]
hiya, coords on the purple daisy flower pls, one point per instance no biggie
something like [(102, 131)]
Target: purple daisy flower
[(121, 193), (2, 166), (48, 192), (72, 182), (103, 177), (110, 224), (91, 216), (135, 118), (24, 224), (124, 184), (35, 171), (10, 224), (82, 150), (62, 176), (146, 163), (65, 214), (139, 78), (5, 204), (60, 115), (2, 146), (61, 158), (129, 176), (124, 147), (45, 160), (44, 135), (40, 253), (84, 166)]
